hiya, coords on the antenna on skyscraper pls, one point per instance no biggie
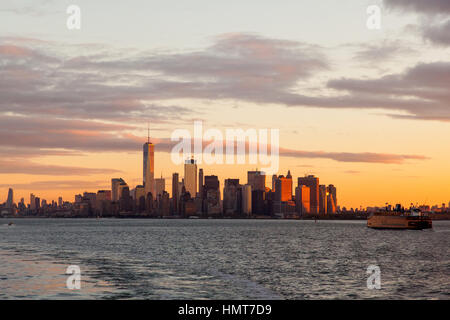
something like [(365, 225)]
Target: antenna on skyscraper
[(148, 132)]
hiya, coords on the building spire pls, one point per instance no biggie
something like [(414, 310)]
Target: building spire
[(148, 132)]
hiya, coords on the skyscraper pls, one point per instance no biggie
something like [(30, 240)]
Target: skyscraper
[(313, 183), (302, 199), (190, 177), (122, 185), (274, 182), (323, 195), (160, 185), (332, 192), (247, 199), (32, 201), (10, 200), (231, 197), (175, 192), (200, 182), (125, 202), (103, 195), (289, 176), (115, 184), (149, 167), (211, 195), (283, 189), (37, 203), (331, 208), (257, 179)]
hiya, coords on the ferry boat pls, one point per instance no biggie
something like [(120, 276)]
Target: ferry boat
[(413, 219)]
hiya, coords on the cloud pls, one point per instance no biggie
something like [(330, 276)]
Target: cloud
[(236, 66), (129, 143), (34, 81), (247, 60), (438, 33), (53, 124), (58, 185), (367, 157), (15, 152), (420, 6), (32, 168), (352, 171), (435, 25), (245, 67), (51, 102), (380, 52), (49, 136), (421, 90), (37, 10), (165, 145)]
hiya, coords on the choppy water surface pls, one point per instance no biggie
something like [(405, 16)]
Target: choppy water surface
[(220, 259)]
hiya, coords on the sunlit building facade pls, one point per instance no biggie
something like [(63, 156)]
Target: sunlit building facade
[(313, 183), (190, 177), (302, 200)]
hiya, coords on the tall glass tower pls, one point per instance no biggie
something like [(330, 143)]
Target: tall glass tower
[(149, 167)]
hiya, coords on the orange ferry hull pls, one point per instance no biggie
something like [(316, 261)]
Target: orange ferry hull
[(398, 222)]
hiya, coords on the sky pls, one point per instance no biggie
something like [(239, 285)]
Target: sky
[(366, 110)]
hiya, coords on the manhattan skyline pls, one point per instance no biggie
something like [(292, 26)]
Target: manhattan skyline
[(366, 110)]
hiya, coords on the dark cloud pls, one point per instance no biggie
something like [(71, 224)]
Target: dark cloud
[(59, 185), (420, 6), (32, 124), (421, 90), (33, 152), (435, 27), (237, 66), (247, 60), (438, 33), (33, 81), (165, 145), (86, 141), (80, 104), (32, 168), (367, 157), (241, 67), (41, 136)]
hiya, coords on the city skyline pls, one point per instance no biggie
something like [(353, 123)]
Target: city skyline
[(366, 110), (189, 199), (148, 164), (309, 196)]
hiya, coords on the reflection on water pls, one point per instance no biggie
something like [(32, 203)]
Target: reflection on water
[(220, 259), (25, 276)]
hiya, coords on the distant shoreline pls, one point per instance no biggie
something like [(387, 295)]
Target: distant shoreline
[(434, 216)]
